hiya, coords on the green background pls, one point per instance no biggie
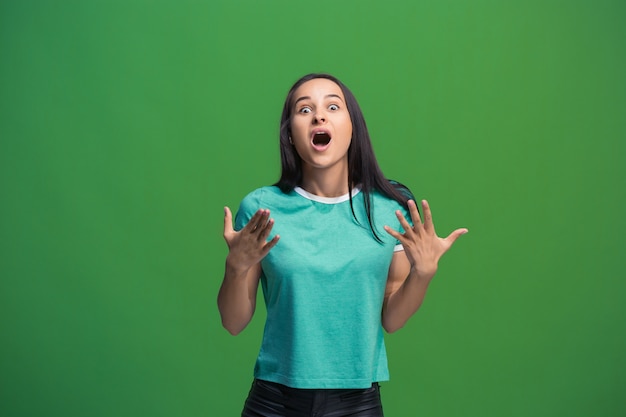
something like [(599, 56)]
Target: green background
[(126, 126)]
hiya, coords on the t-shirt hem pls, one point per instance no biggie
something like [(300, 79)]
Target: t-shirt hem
[(326, 383)]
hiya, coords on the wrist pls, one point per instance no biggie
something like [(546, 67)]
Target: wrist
[(422, 275), (234, 266)]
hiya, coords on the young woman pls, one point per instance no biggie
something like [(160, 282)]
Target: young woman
[(343, 256)]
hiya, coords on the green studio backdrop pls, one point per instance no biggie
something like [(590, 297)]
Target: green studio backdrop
[(127, 126)]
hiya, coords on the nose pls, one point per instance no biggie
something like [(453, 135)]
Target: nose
[(319, 117)]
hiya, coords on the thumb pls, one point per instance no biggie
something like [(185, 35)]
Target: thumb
[(228, 221), (452, 237)]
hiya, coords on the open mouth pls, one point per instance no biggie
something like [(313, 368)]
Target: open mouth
[(321, 139)]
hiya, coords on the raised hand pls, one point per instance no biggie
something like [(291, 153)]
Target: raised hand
[(248, 246), (421, 244)]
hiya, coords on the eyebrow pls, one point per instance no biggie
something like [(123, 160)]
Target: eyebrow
[(308, 98)]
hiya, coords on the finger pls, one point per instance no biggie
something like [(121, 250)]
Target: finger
[(228, 221), (403, 222), (264, 231), (452, 237), (252, 222), (258, 220), (414, 212), (269, 245), (262, 223), (399, 236), (428, 217)]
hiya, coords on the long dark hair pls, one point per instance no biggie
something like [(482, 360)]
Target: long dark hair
[(363, 168)]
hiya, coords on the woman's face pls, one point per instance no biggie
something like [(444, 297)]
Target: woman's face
[(321, 129)]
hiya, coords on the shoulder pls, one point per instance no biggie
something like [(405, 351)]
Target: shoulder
[(402, 189), (262, 195), (385, 207), (393, 194), (266, 197)]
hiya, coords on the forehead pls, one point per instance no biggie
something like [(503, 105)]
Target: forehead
[(318, 88)]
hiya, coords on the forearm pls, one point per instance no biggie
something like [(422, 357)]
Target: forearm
[(236, 300), (403, 303)]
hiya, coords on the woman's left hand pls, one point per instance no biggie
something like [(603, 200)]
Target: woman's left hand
[(421, 244)]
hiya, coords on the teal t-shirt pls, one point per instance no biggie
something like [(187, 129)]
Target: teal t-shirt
[(323, 285)]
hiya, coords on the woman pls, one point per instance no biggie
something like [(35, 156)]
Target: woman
[(338, 262)]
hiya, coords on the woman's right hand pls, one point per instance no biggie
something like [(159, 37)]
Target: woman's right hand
[(248, 246)]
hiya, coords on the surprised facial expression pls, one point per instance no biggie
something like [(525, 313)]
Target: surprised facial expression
[(321, 129)]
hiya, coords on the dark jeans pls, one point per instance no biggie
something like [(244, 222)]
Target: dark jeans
[(269, 399)]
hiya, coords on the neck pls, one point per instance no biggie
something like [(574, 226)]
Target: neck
[(327, 182)]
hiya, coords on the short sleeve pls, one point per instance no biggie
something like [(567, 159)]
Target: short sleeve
[(404, 190), (248, 206), (398, 247)]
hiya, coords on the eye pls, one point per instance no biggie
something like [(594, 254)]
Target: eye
[(305, 110), (333, 107)]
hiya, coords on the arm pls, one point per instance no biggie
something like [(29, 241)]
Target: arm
[(404, 293), (237, 296), (236, 300), (412, 270)]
